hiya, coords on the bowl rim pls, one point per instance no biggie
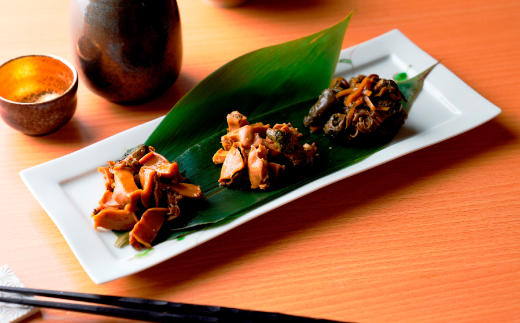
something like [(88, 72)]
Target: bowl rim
[(62, 60)]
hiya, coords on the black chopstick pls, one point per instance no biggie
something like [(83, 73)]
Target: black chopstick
[(150, 310), (128, 313)]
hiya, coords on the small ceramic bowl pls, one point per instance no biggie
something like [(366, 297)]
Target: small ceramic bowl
[(37, 93)]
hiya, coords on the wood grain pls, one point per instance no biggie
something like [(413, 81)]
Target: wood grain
[(430, 237)]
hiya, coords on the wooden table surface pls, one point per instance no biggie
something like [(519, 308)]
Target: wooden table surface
[(433, 236)]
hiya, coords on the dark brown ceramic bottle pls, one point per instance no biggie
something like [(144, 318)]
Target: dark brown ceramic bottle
[(127, 51)]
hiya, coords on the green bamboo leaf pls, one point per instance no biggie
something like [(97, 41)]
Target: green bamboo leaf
[(255, 83), (123, 238), (272, 85), (226, 204), (144, 253), (345, 60), (411, 88), (400, 77)]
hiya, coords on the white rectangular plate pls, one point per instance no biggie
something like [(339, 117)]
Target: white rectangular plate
[(69, 187)]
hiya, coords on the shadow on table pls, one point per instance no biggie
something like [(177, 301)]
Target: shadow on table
[(72, 133), (164, 102), (265, 234)]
